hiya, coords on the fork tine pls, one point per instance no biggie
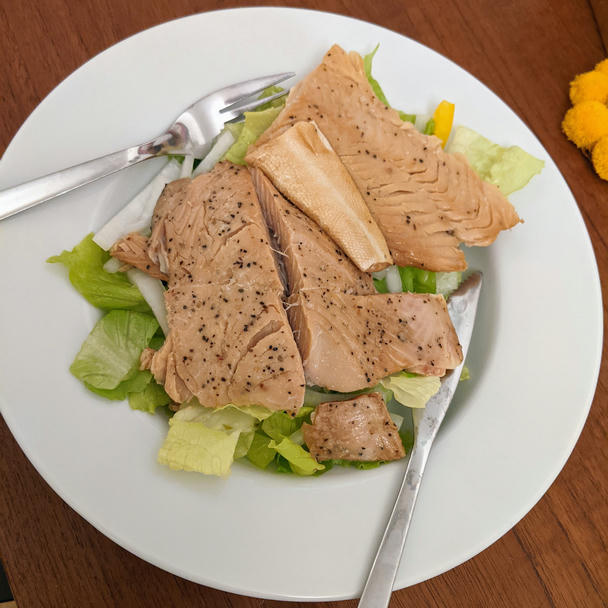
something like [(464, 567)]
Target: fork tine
[(233, 93), (234, 111)]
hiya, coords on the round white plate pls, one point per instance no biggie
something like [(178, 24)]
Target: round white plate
[(534, 359)]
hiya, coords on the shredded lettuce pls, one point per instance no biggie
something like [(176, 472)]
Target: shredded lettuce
[(102, 289), (110, 354), (411, 390), (508, 168)]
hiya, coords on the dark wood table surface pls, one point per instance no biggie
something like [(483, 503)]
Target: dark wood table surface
[(526, 51)]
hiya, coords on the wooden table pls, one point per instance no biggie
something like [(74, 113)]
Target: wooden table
[(526, 51)]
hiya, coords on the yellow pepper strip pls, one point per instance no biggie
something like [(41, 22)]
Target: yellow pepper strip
[(443, 117)]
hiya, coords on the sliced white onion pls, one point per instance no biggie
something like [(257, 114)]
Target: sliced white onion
[(393, 280), (223, 142), (154, 294), (137, 215), (186, 170), (113, 265), (381, 274)]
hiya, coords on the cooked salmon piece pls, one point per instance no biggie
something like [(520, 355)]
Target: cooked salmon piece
[(133, 251), (350, 336), (425, 200), (359, 430), (312, 260), (229, 339), (349, 342), (304, 167)]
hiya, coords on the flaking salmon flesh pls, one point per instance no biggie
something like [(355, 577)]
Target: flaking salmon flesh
[(229, 339), (425, 200), (348, 335)]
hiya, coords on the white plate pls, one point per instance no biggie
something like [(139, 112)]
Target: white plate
[(534, 359)]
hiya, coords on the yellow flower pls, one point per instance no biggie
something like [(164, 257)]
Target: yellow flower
[(590, 86), (602, 66), (599, 157), (585, 123)]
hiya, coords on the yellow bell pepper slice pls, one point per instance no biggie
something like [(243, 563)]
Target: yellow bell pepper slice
[(443, 118)]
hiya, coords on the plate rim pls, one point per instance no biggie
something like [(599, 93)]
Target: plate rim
[(590, 390)]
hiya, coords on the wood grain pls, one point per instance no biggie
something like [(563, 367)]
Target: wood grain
[(526, 51)]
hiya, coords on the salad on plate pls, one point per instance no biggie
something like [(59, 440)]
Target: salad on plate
[(283, 300)]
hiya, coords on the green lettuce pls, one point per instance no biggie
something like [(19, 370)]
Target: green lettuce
[(147, 400), (133, 385), (300, 461), (191, 446), (259, 453), (105, 290), (280, 425), (508, 168), (110, 354), (255, 123), (208, 440), (377, 89), (417, 280), (411, 390)]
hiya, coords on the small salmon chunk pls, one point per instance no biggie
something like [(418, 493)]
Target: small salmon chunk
[(359, 430)]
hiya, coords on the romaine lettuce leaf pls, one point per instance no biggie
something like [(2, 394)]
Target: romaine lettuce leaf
[(135, 384), (110, 354), (300, 461), (151, 397), (411, 390), (508, 168), (229, 418), (280, 425), (255, 123), (259, 453), (192, 446), (243, 444), (105, 290), (207, 440)]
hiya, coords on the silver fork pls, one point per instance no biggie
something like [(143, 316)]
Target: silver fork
[(192, 133)]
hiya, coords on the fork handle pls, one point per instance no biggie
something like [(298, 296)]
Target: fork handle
[(16, 199), (379, 585)]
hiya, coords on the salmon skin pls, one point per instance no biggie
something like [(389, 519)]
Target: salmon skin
[(229, 339), (348, 335), (359, 429), (304, 167), (425, 201)]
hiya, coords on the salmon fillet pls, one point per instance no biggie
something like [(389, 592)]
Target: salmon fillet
[(359, 429), (311, 259), (304, 167), (425, 200), (348, 335), (229, 339), (350, 342)]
